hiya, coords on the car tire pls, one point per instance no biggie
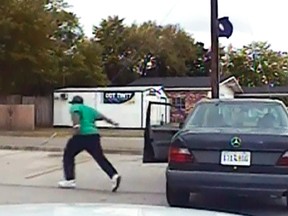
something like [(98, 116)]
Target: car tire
[(286, 201), (177, 198)]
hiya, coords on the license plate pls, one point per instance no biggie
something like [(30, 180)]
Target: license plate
[(235, 158)]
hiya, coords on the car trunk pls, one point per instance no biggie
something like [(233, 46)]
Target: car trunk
[(265, 147)]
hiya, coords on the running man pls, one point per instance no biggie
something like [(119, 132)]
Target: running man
[(86, 137)]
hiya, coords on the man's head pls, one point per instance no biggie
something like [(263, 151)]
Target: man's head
[(77, 100)]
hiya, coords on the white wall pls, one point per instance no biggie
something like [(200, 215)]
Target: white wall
[(61, 107), (127, 114), (224, 92)]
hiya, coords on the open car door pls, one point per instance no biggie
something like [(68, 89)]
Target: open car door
[(158, 133)]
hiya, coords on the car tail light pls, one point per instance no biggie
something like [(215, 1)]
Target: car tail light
[(283, 160), (180, 155)]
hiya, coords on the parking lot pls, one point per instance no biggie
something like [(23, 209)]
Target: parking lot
[(31, 177)]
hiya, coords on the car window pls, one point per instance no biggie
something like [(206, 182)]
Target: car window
[(239, 115)]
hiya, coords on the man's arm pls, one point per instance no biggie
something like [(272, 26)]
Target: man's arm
[(101, 117), (75, 117)]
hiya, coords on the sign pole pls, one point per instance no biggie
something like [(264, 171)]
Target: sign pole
[(214, 49)]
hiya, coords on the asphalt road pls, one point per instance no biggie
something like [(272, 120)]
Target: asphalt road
[(128, 144), (31, 177)]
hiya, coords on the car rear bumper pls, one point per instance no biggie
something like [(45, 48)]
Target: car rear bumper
[(236, 183)]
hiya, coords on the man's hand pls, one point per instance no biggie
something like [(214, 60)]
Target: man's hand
[(76, 129), (112, 122), (102, 117), (115, 124)]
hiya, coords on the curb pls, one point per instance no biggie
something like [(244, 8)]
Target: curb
[(58, 149), (105, 133), (67, 135)]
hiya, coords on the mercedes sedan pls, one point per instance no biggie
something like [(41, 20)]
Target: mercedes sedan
[(233, 146)]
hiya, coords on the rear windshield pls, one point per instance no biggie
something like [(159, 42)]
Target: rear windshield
[(239, 115)]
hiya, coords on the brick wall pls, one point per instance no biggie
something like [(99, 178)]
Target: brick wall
[(191, 97)]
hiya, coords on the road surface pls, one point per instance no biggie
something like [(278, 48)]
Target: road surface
[(31, 177), (110, 144)]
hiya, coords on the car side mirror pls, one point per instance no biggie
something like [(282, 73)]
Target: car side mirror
[(181, 124)]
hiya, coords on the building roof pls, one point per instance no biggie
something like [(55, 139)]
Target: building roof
[(100, 89), (265, 89), (187, 83), (174, 82)]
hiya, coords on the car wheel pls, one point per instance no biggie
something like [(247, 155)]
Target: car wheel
[(177, 198), (286, 199)]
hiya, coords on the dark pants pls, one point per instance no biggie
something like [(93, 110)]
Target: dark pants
[(91, 144)]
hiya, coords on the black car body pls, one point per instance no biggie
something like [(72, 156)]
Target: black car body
[(246, 154)]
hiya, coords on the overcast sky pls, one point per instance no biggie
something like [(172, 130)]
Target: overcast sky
[(253, 20)]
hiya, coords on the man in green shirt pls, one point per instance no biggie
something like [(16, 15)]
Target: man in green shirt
[(86, 137)]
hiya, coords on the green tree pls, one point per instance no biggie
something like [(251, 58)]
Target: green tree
[(24, 59), (43, 47), (257, 64), (66, 37), (111, 35), (126, 47), (86, 69), (172, 46)]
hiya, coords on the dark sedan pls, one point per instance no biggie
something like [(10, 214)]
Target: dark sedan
[(235, 146)]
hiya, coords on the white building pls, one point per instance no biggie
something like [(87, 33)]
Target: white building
[(125, 105)]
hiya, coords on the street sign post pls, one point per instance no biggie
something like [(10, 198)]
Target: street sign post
[(214, 49)]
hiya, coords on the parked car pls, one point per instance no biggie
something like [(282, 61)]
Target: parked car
[(234, 146)]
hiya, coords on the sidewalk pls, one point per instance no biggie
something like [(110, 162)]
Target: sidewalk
[(117, 145), (62, 132)]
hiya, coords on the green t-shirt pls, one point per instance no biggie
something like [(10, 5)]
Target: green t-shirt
[(88, 115)]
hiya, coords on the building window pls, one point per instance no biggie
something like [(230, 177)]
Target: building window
[(178, 102)]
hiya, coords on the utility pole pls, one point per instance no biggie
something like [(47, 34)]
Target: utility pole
[(214, 49)]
